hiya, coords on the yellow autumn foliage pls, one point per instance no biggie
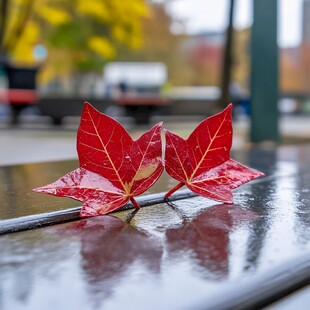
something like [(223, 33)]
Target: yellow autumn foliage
[(102, 47), (78, 30), (23, 52), (54, 16), (98, 9)]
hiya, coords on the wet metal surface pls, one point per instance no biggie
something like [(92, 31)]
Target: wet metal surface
[(165, 257)]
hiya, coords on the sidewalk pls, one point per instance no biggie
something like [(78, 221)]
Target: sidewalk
[(42, 142), (27, 145)]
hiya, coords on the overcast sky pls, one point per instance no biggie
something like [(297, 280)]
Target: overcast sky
[(209, 15)]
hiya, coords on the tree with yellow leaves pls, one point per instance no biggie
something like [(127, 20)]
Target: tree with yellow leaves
[(79, 35)]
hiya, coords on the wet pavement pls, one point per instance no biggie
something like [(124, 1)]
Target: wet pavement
[(29, 145), (193, 254)]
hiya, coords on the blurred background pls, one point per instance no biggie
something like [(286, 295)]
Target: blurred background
[(141, 60)]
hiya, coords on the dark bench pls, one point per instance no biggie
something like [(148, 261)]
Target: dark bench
[(141, 108)]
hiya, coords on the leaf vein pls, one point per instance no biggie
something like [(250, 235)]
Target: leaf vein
[(208, 148), (212, 193), (105, 149)]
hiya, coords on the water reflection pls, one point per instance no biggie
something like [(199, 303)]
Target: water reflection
[(266, 160), (276, 201), (112, 250), (108, 256), (205, 240), (298, 190)]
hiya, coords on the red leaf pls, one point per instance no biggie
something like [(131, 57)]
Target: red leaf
[(113, 167), (202, 162)]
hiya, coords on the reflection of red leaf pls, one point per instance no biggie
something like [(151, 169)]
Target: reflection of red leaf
[(113, 167), (202, 162), (206, 238), (109, 250)]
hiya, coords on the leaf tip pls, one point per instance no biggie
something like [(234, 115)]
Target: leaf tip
[(38, 189), (159, 125), (46, 189), (89, 106), (258, 174), (229, 107)]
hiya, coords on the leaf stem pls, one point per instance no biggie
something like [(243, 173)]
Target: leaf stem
[(135, 203), (174, 190), (131, 215)]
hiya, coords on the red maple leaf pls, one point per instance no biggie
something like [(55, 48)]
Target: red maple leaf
[(203, 163), (113, 167)]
